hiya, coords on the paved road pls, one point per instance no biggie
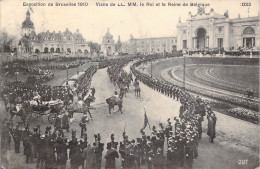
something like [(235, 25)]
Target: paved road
[(158, 108)]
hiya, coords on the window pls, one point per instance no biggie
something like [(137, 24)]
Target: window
[(184, 45), (220, 29), (220, 42), (249, 30)]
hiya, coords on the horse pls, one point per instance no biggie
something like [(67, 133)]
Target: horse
[(112, 101), (137, 88), (74, 107)]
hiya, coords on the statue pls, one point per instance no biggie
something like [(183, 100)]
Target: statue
[(201, 10), (226, 14)]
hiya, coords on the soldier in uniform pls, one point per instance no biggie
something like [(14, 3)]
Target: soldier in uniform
[(211, 126), (41, 153), (75, 152), (65, 121), (28, 149), (83, 124), (158, 159), (189, 153), (16, 133), (122, 151), (113, 143), (149, 153), (110, 157), (99, 150), (61, 150), (34, 140), (138, 152)]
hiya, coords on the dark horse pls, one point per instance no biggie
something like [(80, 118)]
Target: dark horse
[(112, 101), (73, 108)]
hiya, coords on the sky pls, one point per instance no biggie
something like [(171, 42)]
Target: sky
[(93, 21)]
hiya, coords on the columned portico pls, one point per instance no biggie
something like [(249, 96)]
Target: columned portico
[(212, 30)]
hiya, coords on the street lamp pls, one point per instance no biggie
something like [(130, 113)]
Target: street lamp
[(67, 66), (184, 69), (151, 68)]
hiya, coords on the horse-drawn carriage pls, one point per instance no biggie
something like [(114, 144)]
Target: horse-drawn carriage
[(30, 109)]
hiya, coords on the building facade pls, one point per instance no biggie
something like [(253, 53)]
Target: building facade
[(212, 30), (52, 42), (150, 45), (108, 46)]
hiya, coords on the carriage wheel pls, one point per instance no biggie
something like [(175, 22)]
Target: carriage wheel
[(52, 117)]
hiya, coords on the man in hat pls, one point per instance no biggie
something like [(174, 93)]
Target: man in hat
[(83, 124), (212, 119), (189, 152), (158, 159), (113, 143), (99, 150), (123, 153), (110, 157), (16, 133), (88, 154), (65, 120), (138, 153), (41, 157), (28, 149)]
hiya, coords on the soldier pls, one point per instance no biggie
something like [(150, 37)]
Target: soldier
[(83, 124), (189, 153), (158, 160), (110, 157), (168, 129), (28, 149), (65, 121), (99, 150), (122, 151), (41, 154), (113, 143), (16, 133), (93, 91), (75, 152), (88, 154), (211, 126), (58, 122), (138, 152), (149, 152)]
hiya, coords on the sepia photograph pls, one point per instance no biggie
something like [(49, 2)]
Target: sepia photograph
[(120, 84)]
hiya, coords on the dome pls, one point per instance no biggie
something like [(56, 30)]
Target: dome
[(27, 24)]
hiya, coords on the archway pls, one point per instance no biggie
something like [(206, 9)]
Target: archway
[(52, 50), (85, 51), (201, 38), (79, 51), (249, 37), (58, 50), (46, 50), (37, 51)]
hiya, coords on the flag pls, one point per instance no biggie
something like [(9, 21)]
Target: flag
[(31, 9), (146, 120)]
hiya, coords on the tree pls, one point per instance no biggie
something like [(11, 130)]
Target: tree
[(94, 47), (7, 42)]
